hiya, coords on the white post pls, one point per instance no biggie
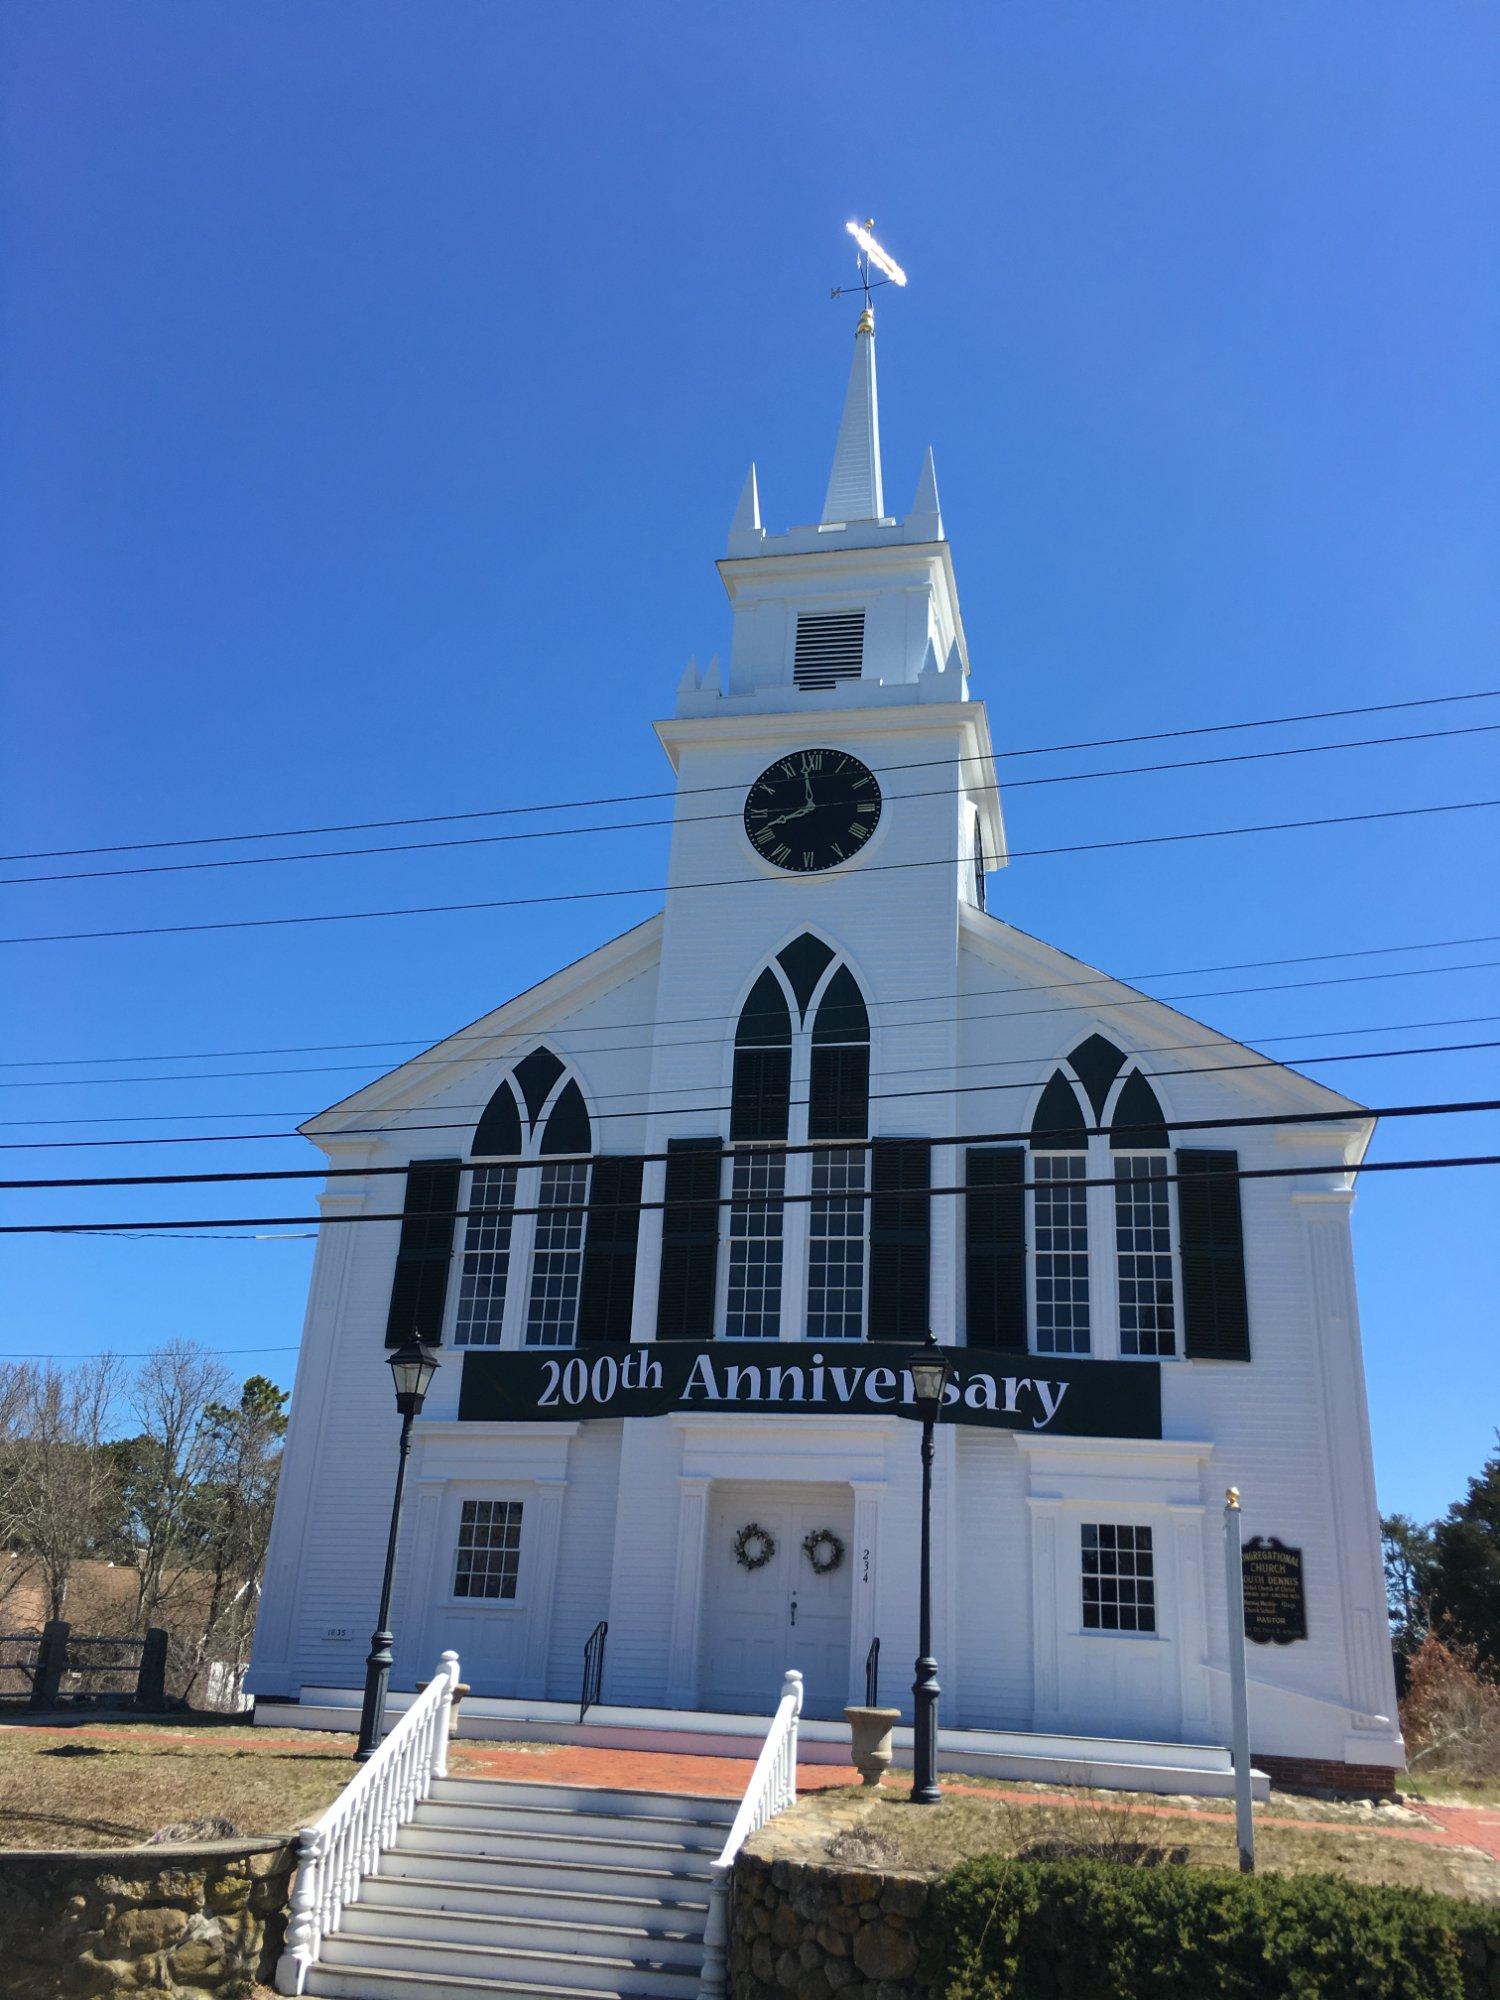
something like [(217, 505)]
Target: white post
[(448, 1667), (301, 1943), (1239, 1700)]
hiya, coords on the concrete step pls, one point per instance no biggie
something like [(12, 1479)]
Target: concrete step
[(344, 1982), (504, 1816), (594, 1935), (435, 1961), (457, 1864), (705, 1809), (681, 1910), (483, 1842)]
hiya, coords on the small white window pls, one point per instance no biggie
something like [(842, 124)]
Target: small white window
[(1119, 1579), (489, 1549)]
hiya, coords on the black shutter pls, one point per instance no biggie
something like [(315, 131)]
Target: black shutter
[(1216, 1320), (689, 1240), (607, 1293), (760, 1102), (838, 1098), (900, 1238), (420, 1288), (995, 1230)]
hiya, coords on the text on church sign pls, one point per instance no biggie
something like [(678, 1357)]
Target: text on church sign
[(1031, 1393)]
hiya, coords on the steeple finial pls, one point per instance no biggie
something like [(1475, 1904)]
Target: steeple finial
[(855, 491)]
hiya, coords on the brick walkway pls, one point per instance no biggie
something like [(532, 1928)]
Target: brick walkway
[(727, 1777)]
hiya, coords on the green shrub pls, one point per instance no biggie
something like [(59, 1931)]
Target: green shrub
[(1081, 1930)]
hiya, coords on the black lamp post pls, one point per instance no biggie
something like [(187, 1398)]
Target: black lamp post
[(929, 1369), (413, 1365)]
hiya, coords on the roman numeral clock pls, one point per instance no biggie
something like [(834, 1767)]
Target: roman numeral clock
[(811, 810)]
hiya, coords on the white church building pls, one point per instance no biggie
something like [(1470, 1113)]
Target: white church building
[(675, 1216)]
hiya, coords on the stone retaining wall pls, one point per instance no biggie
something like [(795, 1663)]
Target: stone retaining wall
[(202, 1922), (805, 1931)]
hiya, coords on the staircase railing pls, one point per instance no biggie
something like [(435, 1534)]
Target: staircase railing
[(872, 1675), (772, 1788), (336, 1852), (593, 1668)]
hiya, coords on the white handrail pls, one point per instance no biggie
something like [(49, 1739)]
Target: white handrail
[(772, 1788), (337, 1851)]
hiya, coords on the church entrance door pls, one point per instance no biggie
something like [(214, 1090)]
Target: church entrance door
[(759, 1622)]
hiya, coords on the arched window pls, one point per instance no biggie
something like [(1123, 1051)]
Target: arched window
[(536, 1114), (838, 1108), (804, 1019), (1060, 1220), (1143, 1221), (760, 1107)]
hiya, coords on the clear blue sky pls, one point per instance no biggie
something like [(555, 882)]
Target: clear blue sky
[(378, 383)]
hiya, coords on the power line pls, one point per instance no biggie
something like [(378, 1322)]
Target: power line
[(697, 1020), (734, 881), (780, 1148), (1000, 1014), (706, 819), (632, 798), (1337, 1168)]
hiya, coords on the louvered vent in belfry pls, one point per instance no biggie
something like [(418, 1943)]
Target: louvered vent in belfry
[(830, 648)]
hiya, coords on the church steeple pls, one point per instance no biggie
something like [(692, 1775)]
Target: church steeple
[(855, 489)]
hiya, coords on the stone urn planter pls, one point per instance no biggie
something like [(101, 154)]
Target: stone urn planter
[(870, 1729)]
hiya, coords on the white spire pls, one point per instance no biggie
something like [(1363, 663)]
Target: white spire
[(854, 485), (926, 516), (747, 514)]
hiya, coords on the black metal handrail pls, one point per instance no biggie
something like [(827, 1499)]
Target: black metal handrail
[(593, 1668), (872, 1675)]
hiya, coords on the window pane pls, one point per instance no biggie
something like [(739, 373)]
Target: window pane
[(557, 1261), (1062, 1254), (836, 1251), (1143, 1246), (1119, 1585), (489, 1549), (753, 1312), (486, 1261)]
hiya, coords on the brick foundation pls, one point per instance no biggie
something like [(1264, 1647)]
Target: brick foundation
[(1319, 1774)]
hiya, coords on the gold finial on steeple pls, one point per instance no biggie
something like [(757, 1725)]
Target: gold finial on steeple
[(866, 322)]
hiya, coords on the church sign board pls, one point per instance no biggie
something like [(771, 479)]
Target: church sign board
[(1069, 1398), (1275, 1606)]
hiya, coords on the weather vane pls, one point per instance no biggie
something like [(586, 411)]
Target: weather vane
[(867, 252)]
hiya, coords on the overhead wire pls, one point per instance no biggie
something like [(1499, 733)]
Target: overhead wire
[(732, 881), (779, 1148), (1319, 1170), (705, 819), (490, 1035), (631, 798)]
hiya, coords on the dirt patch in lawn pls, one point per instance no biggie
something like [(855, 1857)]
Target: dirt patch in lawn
[(884, 1831)]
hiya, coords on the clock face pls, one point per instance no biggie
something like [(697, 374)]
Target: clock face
[(811, 810)]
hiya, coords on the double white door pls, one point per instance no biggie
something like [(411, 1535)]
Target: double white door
[(759, 1622)]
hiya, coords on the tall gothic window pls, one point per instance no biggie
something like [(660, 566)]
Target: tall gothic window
[(1143, 1221), (760, 1109), (979, 881), (528, 1264), (838, 1108), (1060, 1218)]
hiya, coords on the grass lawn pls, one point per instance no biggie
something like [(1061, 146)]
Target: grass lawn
[(884, 1830), (113, 1784), (1444, 1789)]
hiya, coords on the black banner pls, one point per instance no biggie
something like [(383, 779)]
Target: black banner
[(1070, 1398)]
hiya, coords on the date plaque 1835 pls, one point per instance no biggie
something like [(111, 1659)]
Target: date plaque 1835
[(1275, 1607)]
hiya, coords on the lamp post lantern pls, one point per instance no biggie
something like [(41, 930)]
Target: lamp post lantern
[(929, 1369), (413, 1365)]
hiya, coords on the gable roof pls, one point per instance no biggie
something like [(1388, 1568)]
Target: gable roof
[(535, 1009)]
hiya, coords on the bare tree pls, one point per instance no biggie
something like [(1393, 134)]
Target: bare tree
[(59, 1483), (160, 1469)]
